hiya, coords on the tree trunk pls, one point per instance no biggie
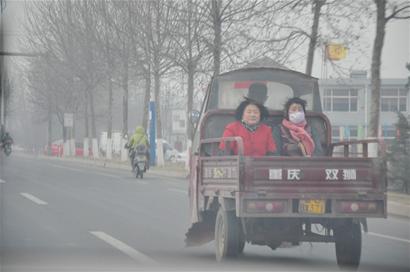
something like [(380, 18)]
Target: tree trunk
[(109, 124), (191, 72), (92, 112), (108, 147), (72, 136), (217, 25), (49, 136), (317, 6), (147, 98), (157, 88), (86, 127), (375, 68), (125, 97), (190, 101), (93, 127), (86, 124)]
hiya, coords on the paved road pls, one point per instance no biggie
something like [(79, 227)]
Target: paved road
[(67, 216)]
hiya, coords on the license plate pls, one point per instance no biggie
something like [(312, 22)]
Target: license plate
[(313, 206)]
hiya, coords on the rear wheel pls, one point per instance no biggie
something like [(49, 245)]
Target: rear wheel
[(227, 235), (7, 150), (241, 243), (137, 171), (348, 244)]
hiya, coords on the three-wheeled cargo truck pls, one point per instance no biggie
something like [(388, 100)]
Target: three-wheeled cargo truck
[(276, 200)]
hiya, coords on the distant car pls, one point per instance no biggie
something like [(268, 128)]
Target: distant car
[(182, 156), (79, 150), (170, 153), (56, 150)]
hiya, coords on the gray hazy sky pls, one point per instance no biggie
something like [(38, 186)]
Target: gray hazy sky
[(396, 51)]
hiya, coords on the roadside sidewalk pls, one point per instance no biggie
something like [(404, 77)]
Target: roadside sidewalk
[(398, 204), (169, 170)]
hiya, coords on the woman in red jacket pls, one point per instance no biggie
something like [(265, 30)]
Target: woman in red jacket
[(257, 137)]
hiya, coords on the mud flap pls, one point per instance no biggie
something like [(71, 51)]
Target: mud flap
[(201, 233)]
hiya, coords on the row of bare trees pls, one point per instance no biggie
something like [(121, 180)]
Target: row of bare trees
[(95, 50)]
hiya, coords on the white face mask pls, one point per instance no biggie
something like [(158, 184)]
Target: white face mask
[(297, 117)]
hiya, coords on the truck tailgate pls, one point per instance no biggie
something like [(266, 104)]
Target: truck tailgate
[(273, 186)]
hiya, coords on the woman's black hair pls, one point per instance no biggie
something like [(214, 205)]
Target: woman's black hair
[(294, 100), (241, 108)]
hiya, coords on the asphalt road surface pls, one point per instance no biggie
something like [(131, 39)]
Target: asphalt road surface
[(68, 216)]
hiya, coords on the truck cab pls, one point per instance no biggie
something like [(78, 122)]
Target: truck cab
[(275, 200)]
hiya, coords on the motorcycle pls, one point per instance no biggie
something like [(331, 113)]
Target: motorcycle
[(139, 160), (6, 143)]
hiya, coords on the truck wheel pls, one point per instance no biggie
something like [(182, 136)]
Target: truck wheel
[(241, 242), (137, 172), (226, 235), (348, 244), (7, 150)]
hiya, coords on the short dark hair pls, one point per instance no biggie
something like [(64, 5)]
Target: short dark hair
[(294, 100), (257, 92), (241, 108)]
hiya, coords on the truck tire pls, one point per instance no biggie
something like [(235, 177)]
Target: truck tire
[(241, 242), (137, 172), (7, 150), (227, 234), (348, 244)]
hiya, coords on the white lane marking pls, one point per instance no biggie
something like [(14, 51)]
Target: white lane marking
[(388, 237), (124, 248), (36, 200), (142, 182), (178, 191), (84, 171), (2, 181)]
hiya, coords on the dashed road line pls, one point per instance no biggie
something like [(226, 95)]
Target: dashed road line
[(388, 237), (124, 248), (85, 171), (178, 191), (36, 200)]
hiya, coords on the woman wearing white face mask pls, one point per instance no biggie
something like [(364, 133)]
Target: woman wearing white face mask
[(294, 137)]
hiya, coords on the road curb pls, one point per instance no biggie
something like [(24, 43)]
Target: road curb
[(398, 204), (161, 171)]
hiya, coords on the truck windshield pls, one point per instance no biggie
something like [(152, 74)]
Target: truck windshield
[(231, 93)]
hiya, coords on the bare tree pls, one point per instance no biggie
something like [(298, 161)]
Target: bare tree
[(223, 14), (318, 22), (66, 30), (385, 12), (140, 33), (317, 6), (105, 40), (155, 21), (190, 47)]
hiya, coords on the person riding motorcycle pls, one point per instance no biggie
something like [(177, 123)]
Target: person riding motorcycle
[(138, 138), (5, 142)]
